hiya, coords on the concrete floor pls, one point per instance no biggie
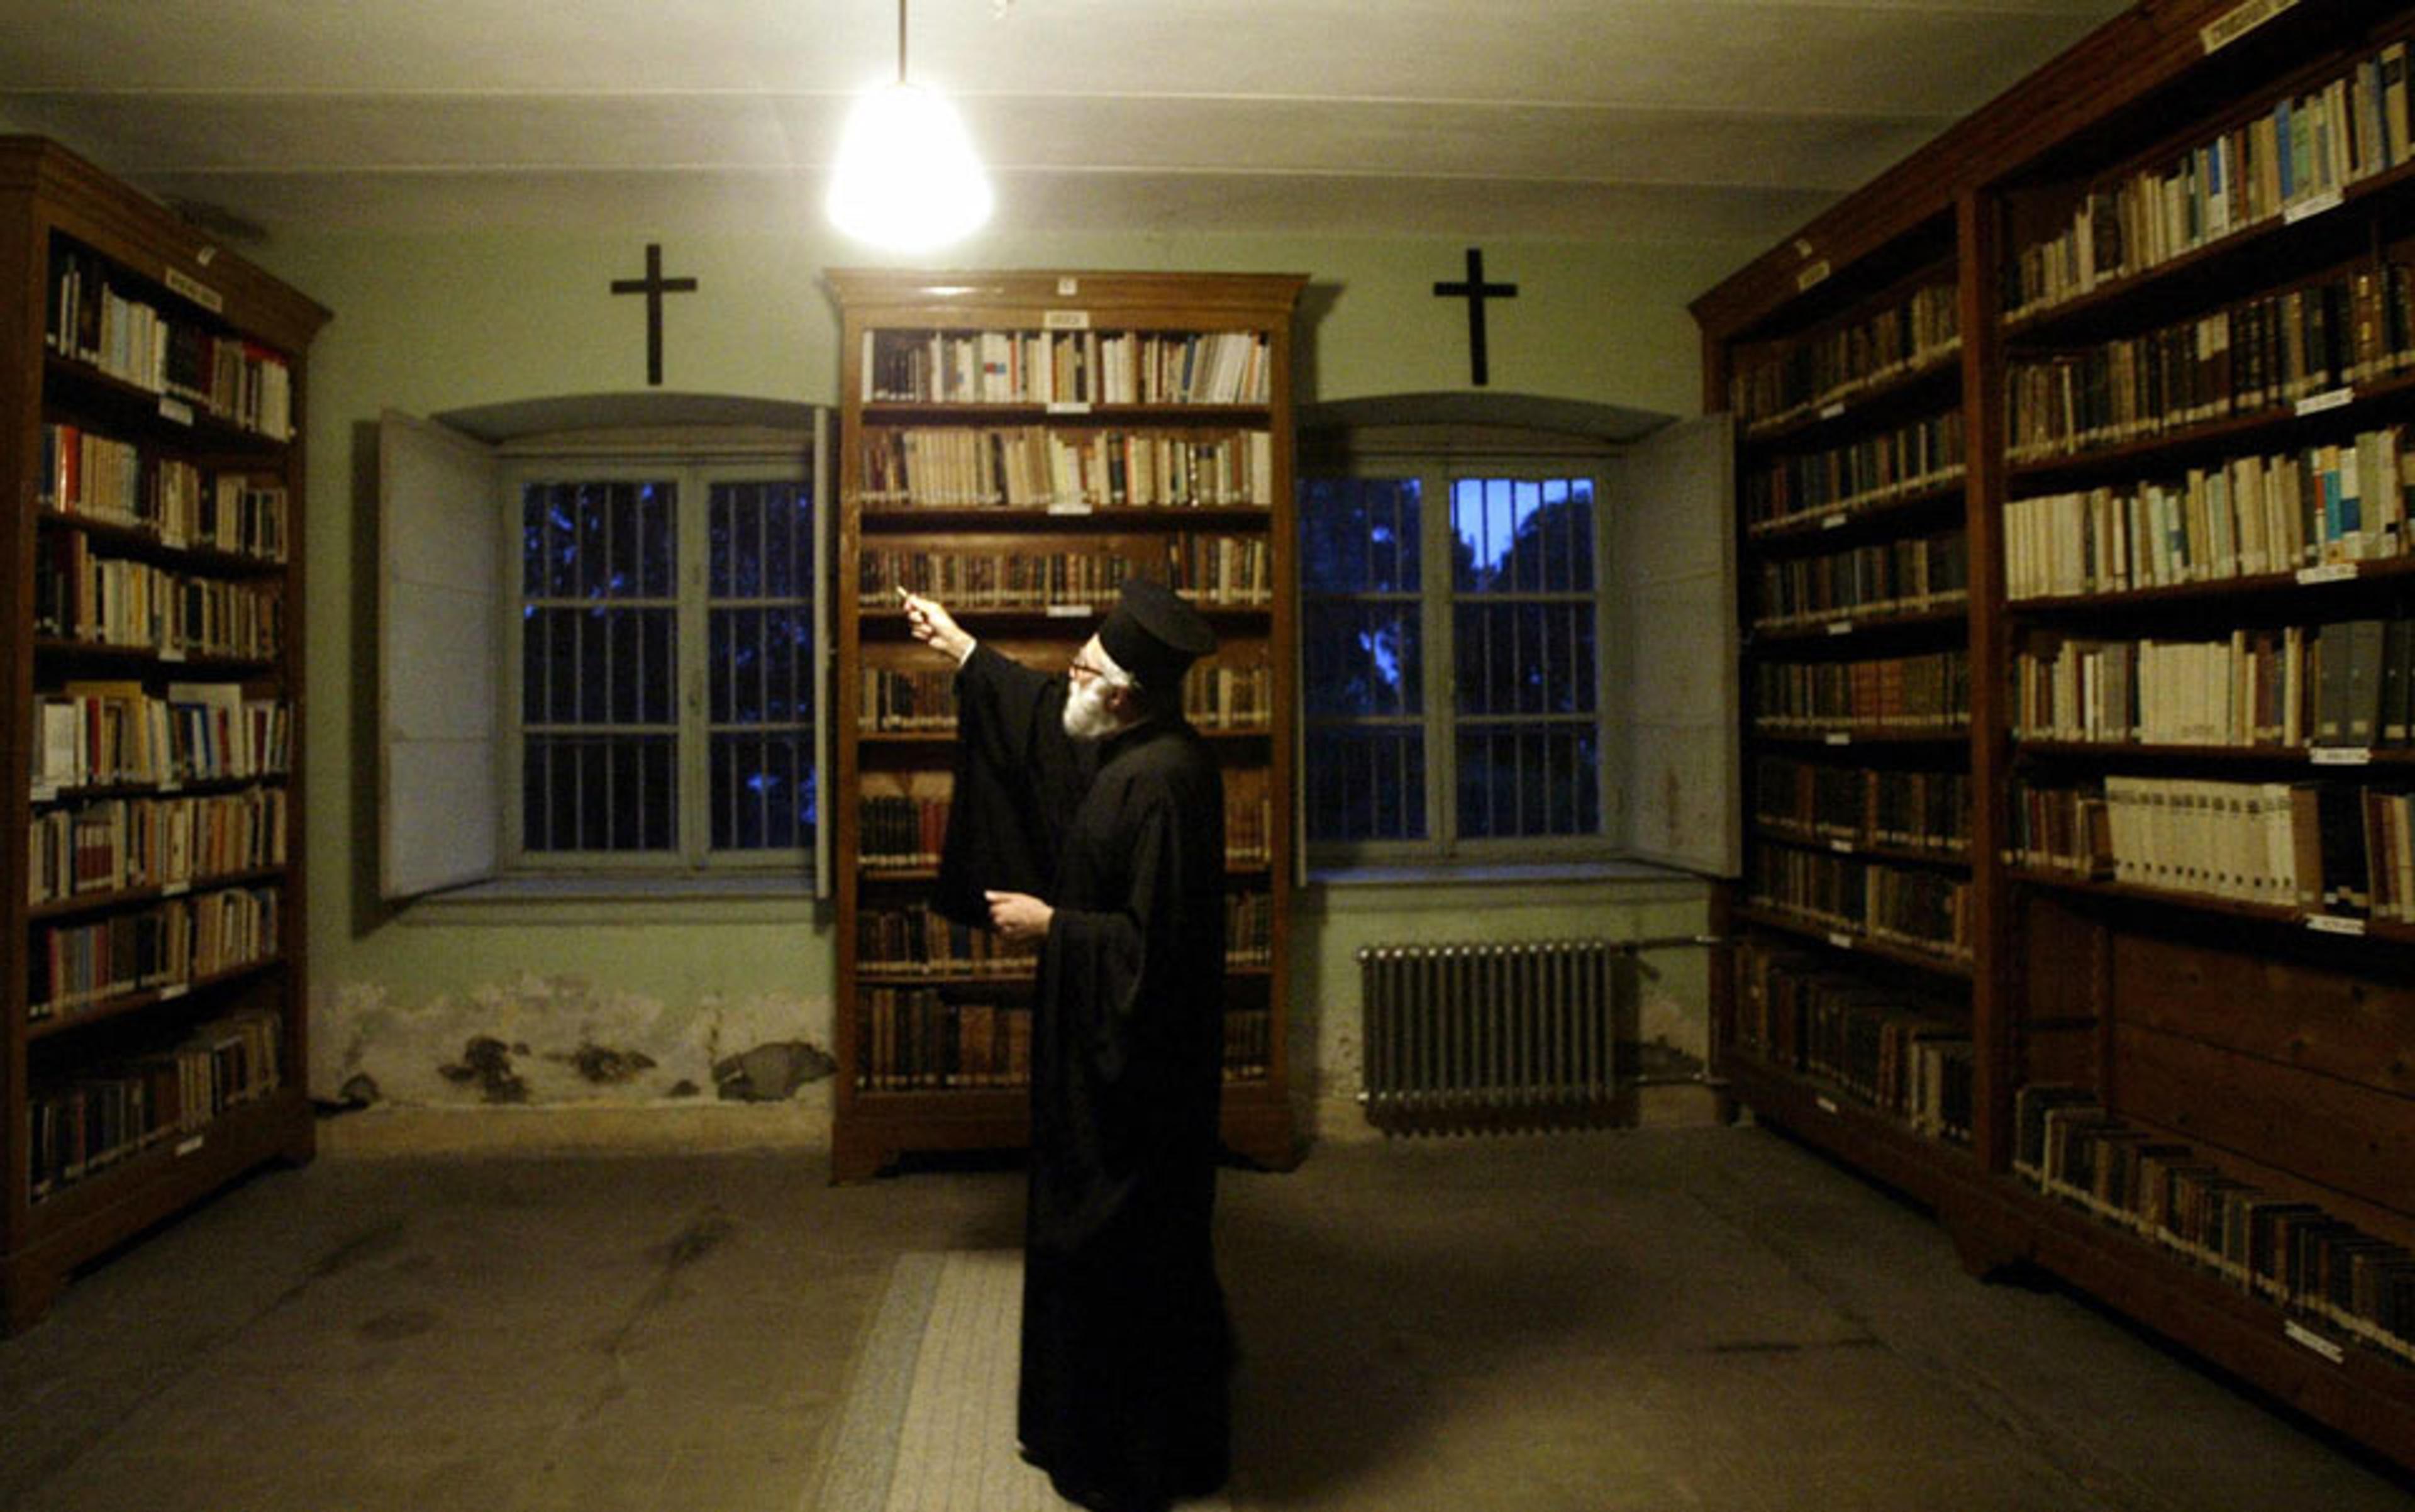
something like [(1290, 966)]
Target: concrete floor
[(1656, 1319)]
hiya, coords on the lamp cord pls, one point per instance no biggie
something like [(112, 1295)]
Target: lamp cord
[(901, 42)]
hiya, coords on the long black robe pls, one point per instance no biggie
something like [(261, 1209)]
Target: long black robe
[(1126, 1349)]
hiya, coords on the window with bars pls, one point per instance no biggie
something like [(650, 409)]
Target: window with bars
[(665, 665), (1452, 641)]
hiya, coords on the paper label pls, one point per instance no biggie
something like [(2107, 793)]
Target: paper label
[(197, 291), (2334, 572), (1840, 627), (1066, 320), (1832, 522), (1842, 848), (2334, 924), (2343, 756), (1838, 737), (2299, 1333), (1070, 611), (2239, 21), (1830, 412), (1068, 509), (191, 1146), (176, 889), (1842, 942), (1826, 1105), (2310, 206), (1068, 406), (1811, 273), (175, 410), (173, 991), (2332, 399)]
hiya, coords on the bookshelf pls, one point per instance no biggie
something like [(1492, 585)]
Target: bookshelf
[(152, 952), (2173, 824), (1015, 444)]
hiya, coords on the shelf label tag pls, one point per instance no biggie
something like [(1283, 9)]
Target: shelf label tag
[(1811, 273), (1070, 611), (1066, 287), (2239, 21), (176, 889), (1838, 737), (175, 410), (2298, 1333), (1831, 411), (1826, 1105), (197, 291), (172, 653), (173, 991), (191, 1146), (45, 792), (1068, 509), (1840, 627), (1841, 942), (2313, 204), (2342, 756), (2334, 398), (1833, 521), (1065, 320), (2334, 924), (2331, 572), (1842, 848), (1068, 406)]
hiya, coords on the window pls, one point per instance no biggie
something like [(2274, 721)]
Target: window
[(665, 656), (1453, 661)]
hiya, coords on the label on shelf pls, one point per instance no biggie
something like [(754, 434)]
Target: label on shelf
[(2342, 756), (1842, 627), (191, 1146), (1070, 611), (2334, 924), (176, 889), (1831, 411), (197, 291), (1833, 521), (175, 410), (172, 653), (173, 991), (1068, 509), (1825, 1104), (1841, 942), (1068, 406), (2329, 571), (1811, 273), (1065, 320), (2239, 21), (2331, 399), (2312, 205), (45, 792), (1838, 737), (2298, 1333), (1842, 848), (1068, 286)]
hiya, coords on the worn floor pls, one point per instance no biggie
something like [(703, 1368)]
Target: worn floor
[(1661, 1319)]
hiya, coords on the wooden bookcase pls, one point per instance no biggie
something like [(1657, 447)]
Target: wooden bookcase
[(2185, 977), (152, 952), (1012, 444)]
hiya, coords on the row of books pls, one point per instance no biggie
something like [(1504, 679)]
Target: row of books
[(89, 734), (1905, 576), (2249, 515), (1212, 569), (116, 1110), (2350, 684), (919, 1039), (2291, 351), (2292, 1253), (1924, 694), (119, 842), (2294, 159), (98, 316), (1923, 910), (91, 477), (1214, 697), (1920, 457), (1066, 368), (169, 944), (1033, 466), (1921, 330), (1906, 1055), (917, 940), (110, 601), (1862, 806), (2320, 848), (901, 832)]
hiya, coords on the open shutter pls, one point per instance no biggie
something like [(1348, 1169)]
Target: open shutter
[(439, 631), (1676, 569)]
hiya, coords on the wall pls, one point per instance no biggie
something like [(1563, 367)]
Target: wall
[(635, 1005)]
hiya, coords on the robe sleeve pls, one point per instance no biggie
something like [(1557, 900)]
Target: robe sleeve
[(1017, 778)]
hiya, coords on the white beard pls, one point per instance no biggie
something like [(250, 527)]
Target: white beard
[(1087, 715)]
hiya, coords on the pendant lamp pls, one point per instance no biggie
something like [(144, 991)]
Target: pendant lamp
[(906, 179)]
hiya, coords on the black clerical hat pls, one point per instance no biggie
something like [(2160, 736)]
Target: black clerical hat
[(1153, 634)]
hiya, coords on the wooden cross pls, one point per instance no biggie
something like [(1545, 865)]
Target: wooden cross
[(1476, 291), (653, 286)]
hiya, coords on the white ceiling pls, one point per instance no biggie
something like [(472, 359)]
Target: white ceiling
[(1636, 120)]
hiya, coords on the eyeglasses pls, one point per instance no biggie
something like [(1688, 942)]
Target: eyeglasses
[(1079, 667)]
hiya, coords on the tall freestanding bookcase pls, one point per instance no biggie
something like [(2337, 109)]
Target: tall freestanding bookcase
[(2074, 481), (1015, 444), (151, 978)]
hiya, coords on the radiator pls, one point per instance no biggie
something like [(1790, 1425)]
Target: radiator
[(1494, 1036)]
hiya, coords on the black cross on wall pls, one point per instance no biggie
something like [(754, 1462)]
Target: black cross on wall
[(653, 286), (1476, 291)]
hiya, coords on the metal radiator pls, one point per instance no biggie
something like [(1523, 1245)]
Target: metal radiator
[(1495, 1036)]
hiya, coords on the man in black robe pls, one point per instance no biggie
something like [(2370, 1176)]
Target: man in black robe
[(1089, 815)]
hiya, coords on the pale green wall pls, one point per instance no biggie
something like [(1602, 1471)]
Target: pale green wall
[(431, 323)]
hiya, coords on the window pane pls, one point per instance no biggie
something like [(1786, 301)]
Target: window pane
[(762, 792), (1366, 784), (1522, 536), (598, 792), (1529, 780), (1363, 658), (1358, 535)]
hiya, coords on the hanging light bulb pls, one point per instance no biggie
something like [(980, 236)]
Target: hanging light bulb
[(907, 177)]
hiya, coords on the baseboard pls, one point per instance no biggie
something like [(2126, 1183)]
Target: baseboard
[(688, 1128)]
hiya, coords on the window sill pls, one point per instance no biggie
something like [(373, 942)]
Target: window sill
[(767, 898), (1494, 873), (1439, 887)]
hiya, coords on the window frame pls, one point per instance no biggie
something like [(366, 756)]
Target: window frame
[(1439, 457), (693, 460)]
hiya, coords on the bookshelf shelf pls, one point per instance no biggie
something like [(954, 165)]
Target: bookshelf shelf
[(155, 471), (2231, 393), (1219, 470), (1846, 939)]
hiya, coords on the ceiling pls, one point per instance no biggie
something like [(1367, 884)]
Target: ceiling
[(1651, 121)]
